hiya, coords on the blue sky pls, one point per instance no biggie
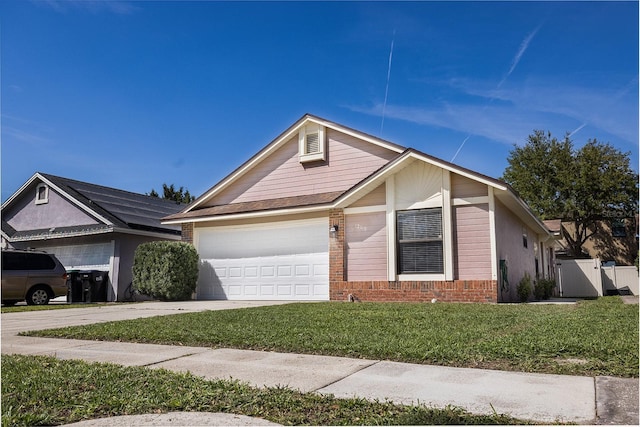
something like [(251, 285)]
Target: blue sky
[(138, 93)]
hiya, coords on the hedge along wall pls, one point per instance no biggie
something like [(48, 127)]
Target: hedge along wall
[(166, 270)]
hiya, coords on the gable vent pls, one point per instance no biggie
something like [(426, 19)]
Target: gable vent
[(312, 144)]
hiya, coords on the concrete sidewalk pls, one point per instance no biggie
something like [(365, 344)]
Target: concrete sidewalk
[(538, 397)]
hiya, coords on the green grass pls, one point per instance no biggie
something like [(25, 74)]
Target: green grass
[(38, 390), (598, 337)]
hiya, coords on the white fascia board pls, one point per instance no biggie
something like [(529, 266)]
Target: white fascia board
[(248, 215), (60, 191), (356, 134), (403, 162), (372, 182), (459, 171), (20, 190)]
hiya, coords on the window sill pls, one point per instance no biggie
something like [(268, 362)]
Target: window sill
[(421, 277), (307, 158)]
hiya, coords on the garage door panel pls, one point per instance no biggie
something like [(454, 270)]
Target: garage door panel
[(95, 256), (287, 262), (302, 270)]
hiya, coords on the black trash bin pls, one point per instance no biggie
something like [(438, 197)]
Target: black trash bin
[(75, 291), (94, 285), (99, 286)]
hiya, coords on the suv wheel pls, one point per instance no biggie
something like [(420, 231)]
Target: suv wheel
[(38, 295)]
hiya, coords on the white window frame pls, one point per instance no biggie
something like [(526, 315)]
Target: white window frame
[(45, 199), (303, 155), (433, 239)]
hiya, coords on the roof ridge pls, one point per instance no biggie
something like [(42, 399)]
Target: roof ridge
[(71, 180)]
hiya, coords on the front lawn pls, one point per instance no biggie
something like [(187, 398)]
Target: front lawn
[(38, 390), (598, 337)]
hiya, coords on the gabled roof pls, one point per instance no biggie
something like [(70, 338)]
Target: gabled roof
[(315, 202), (277, 143), (115, 209)]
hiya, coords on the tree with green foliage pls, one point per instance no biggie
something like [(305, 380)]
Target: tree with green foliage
[(180, 195), (584, 186)]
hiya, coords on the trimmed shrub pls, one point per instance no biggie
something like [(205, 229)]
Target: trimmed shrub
[(165, 270), (543, 288), (524, 288)]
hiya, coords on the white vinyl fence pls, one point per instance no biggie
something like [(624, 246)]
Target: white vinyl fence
[(584, 278), (622, 279)]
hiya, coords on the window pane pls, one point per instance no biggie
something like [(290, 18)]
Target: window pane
[(420, 247), (423, 257)]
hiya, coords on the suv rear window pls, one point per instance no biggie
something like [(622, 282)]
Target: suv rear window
[(24, 261)]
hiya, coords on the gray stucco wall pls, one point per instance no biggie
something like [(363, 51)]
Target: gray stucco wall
[(25, 214)]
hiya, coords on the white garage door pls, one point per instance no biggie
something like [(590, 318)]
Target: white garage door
[(84, 257), (278, 261)]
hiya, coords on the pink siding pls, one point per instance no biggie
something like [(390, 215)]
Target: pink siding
[(349, 160), (366, 246), (473, 243), (375, 198), (465, 187), (510, 247)]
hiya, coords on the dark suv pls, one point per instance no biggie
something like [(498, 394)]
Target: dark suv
[(33, 276)]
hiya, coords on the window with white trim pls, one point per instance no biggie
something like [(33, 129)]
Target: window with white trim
[(42, 194), (311, 144), (420, 241)]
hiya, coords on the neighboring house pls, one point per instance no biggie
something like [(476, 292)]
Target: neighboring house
[(325, 212), (87, 226), (615, 240)]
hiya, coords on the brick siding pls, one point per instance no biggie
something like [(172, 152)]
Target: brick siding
[(187, 232), (416, 291), (336, 247)]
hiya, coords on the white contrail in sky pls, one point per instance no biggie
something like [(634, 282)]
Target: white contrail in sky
[(578, 129), (386, 90), (516, 59)]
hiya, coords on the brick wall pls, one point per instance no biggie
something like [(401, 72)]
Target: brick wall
[(187, 232), (336, 247), (418, 291)]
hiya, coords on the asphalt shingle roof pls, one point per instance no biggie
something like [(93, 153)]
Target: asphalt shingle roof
[(122, 208)]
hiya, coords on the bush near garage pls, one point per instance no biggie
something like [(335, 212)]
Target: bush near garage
[(167, 271)]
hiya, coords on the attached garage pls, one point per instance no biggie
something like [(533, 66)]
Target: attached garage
[(95, 256), (285, 260)]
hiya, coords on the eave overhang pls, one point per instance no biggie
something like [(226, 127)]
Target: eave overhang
[(502, 192)]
